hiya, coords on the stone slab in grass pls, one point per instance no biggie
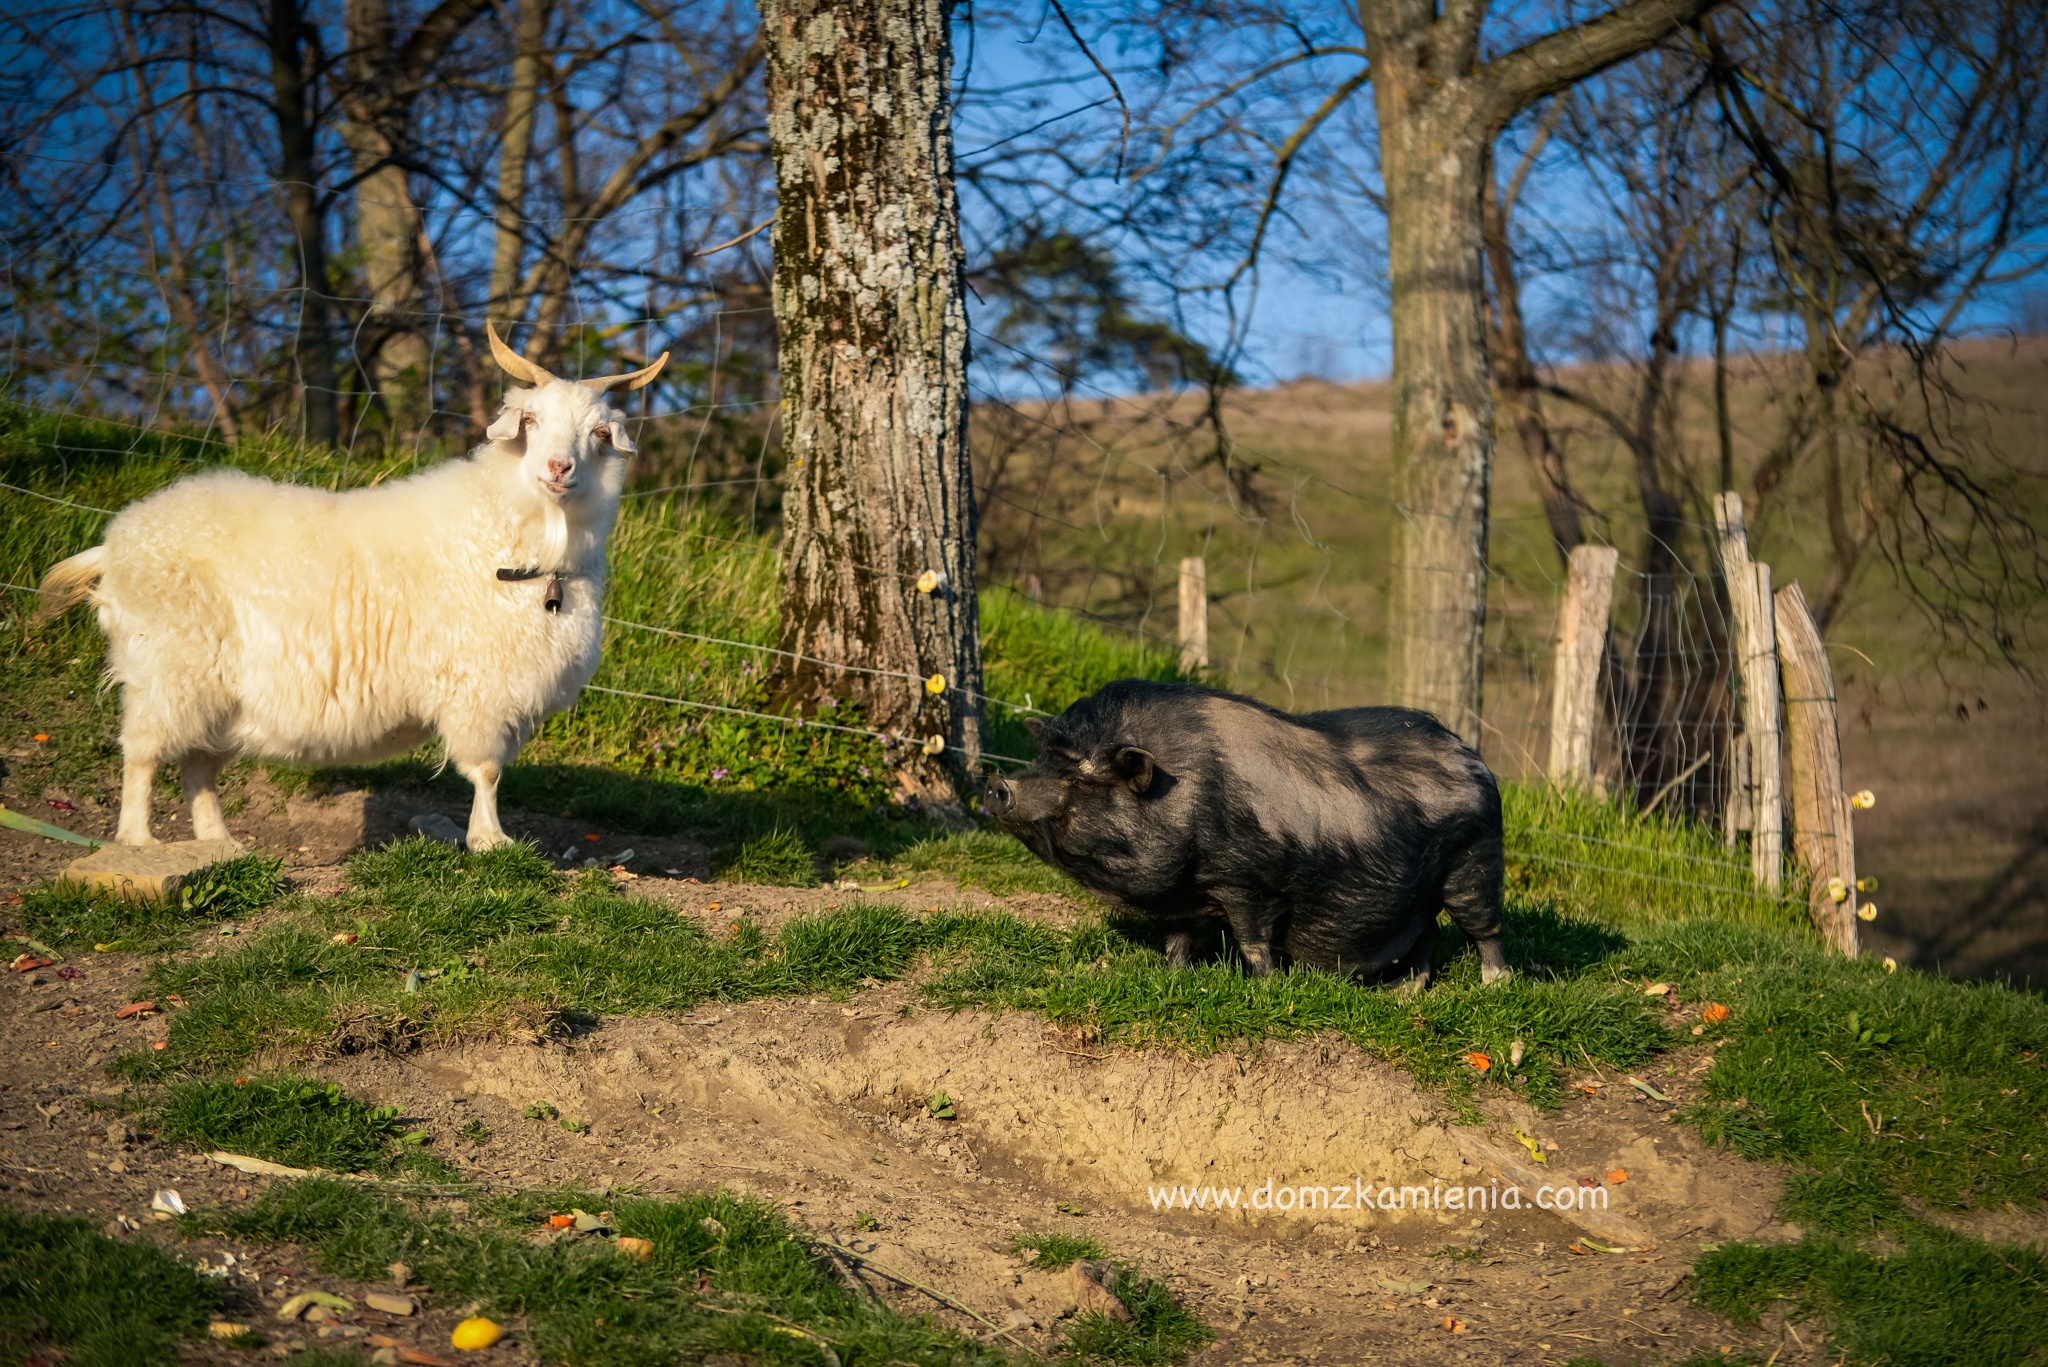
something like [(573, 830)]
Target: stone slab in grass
[(149, 871)]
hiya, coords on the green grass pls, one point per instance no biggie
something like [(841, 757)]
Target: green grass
[(1571, 850), (1937, 1300), (631, 765), (68, 915), (502, 943), (299, 1121), (766, 1297), (985, 859), (1051, 1252), (106, 1302), (779, 859), (1160, 1330)]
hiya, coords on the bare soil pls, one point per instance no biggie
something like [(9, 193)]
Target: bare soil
[(820, 1106)]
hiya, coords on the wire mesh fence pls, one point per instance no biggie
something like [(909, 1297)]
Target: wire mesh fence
[(1092, 497)]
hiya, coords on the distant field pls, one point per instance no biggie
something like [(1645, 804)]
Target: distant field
[(1092, 503)]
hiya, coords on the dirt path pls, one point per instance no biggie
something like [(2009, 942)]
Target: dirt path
[(820, 1106)]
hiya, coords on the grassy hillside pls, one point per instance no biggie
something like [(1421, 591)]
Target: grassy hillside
[(632, 764), (1602, 903)]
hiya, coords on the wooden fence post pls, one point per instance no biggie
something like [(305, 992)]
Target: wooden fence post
[(1194, 613), (1823, 841), (1581, 645), (1756, 652)]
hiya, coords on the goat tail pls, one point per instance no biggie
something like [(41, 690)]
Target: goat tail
[(68, 583)]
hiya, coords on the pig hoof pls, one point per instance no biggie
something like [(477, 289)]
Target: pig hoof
[(1412, 987), (1489, 973)]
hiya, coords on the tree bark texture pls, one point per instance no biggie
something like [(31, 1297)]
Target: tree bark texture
[(1439, 109), (1521, 389), (878, 553), (385, 73), (291, 104), (521, 99)]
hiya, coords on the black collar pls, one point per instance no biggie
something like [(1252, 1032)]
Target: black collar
[(553, 601)]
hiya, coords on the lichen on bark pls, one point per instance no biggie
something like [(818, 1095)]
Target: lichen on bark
[(869, 300)]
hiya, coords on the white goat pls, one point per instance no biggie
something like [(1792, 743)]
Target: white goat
[(245, 617)]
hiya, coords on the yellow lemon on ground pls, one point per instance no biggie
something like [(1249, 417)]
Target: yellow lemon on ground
[(475, 1333)]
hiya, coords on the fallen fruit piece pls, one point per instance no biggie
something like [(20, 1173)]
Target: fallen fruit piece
[(28, 963), (134, 1009), (167, 1203), (390, 1304), (1618, 1176), (1404, 1288), (226, 1329), (475, 1333), (642, 1249), (1529, 1142), (1515, 1054), (342, 937), (70, 973), (560, 1221), (1657, 990), (1588, 1181), (1480, 1062), (1714, 1014), (306, 1300)]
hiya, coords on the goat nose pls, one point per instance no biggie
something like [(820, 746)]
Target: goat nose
[(559, 468)]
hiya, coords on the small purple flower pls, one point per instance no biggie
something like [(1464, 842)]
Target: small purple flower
[(717, 774), (863, 771), (747, 668)]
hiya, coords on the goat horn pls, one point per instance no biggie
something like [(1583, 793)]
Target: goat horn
[(637, 379), (515, 365)]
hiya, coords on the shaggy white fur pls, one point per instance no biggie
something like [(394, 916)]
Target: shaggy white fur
[(245, 617)]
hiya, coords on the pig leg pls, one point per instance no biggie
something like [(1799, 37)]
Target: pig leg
[(1180, 945), (1251, 926), (1472, 895), (1420, 964)]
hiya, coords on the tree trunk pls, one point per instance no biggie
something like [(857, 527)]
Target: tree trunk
[(517, 145), (388, 222), (1521, 392), (1439, 109), (878, 553), (1433, 158), (296, 172)]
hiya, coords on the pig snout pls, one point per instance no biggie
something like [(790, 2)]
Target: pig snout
[(999, 797)]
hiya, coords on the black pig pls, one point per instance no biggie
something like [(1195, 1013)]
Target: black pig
[(1329, 839)]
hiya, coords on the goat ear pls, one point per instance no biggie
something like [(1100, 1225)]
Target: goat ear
[(622, 443), (508, 426), (1134, 766)]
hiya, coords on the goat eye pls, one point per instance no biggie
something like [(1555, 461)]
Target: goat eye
[(603, 434)]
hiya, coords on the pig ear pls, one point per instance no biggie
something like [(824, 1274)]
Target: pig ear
[(1036, 726), (1134, 766)]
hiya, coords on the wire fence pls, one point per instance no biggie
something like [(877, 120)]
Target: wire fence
[(1091, 497)]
